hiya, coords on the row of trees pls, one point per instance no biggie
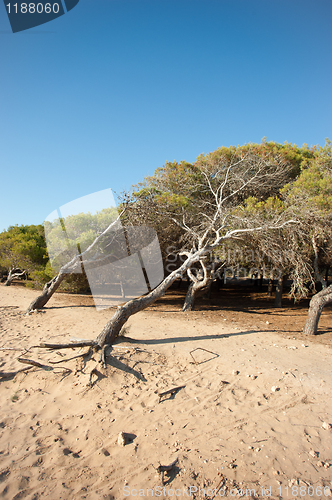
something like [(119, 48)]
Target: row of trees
[(274, 199), (22, 252)]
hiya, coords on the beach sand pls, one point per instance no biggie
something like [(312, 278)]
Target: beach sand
[(252, 414)]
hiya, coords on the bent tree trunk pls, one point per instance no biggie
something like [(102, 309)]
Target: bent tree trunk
[(123, 313), (13, 273), (71, 267), (317, 303), (200, 284), (47, 293), (195, 290)]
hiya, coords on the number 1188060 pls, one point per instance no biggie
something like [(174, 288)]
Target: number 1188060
[(305, 491), (32, 8)]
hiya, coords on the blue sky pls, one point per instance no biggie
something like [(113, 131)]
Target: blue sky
[(102, 96)]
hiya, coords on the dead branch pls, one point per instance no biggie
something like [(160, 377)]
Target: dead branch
[(83, 343), (169, 391), (82, 355), (31, 362)]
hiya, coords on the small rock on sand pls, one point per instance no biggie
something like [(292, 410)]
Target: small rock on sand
[(121, 439)]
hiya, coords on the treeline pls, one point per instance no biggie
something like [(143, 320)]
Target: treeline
[(271, 201), (24, 257)]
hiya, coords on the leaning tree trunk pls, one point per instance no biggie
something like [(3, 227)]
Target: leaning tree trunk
[(195, 290), (200, 285), (48, 291), (318, 301), (123, 313), (13, 273)]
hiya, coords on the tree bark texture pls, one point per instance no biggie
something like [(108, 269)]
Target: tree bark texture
[(270, 288), (317, 303), (114, 325), (195, 290), (48, 291), (279, 289), (13, 273)]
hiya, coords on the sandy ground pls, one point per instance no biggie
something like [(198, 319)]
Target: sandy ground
[(248, 422)]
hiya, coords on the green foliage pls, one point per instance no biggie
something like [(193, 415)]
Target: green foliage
[(40, 276), (311, 192), (23, 247), (80, 231)]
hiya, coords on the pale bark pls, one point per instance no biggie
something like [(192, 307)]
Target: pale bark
[(192, 294), (70, 268), (196, 286), (14, 273), (200, 285), (123, 313), (47, 293), (317, 303)]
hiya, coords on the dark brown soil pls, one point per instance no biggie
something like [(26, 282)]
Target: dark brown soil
[(247, 306)]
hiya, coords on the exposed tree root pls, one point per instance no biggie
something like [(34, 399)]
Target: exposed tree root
[(83, 343), (102, 358)]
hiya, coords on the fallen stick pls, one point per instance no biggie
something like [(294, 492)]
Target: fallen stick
[(69, 359), (31, 362), (83, 343), (170, 391)]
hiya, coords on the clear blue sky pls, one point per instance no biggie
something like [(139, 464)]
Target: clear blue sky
[(102, 96)]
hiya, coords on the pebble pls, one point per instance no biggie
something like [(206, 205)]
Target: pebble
[(313, 453), (121, 439)]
